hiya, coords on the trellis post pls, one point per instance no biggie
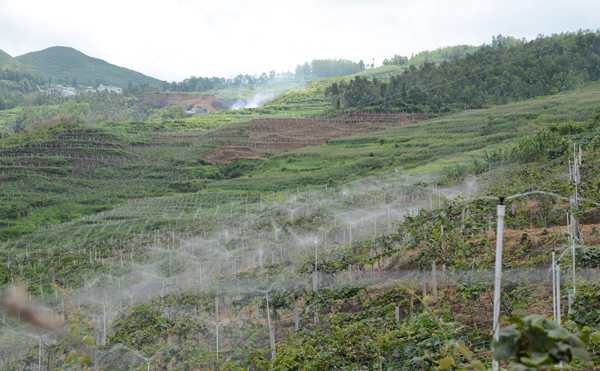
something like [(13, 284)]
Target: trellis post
[(501, 211)]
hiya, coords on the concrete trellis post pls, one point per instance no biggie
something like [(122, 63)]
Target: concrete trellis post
[(296, 318), (271, 329), (434, 282), (217, 326), (553, 272), (558, 306), (501, 211), (40, 353), (315, 276)]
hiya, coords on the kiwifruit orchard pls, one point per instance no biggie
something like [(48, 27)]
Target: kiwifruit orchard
[(349, 222)]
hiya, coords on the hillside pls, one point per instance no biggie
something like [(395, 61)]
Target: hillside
[(312, 97), (305, 234), (5, 58), (143, 207), (67, 65), (494, 74)]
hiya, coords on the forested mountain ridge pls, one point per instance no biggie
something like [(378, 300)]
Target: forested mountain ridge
[(68, 65), (494, 74)]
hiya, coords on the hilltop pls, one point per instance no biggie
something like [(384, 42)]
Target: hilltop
[(65, 64), (5, 57)]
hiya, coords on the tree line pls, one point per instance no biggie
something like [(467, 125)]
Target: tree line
[(322, 68), (497, 73), (316, 69), (200, 84), (17, 86), (437, 56)]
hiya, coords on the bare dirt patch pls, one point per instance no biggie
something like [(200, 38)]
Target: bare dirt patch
[(262, 136), (186, 101)]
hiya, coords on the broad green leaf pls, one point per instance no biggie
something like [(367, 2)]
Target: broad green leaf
[(595, 338), (463, 350), (559, 333), (86, 361), (88, 340), (536, 359), (581, 354), (477, 365), (71, 358), (446, 363)]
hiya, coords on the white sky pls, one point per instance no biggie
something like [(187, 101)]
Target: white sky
[(174, 39)]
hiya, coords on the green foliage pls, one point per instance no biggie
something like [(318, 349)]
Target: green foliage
[(396, 60), (322, 68), (203, 84), (437, 56), (18, 86), (84, 108), (533, 342), (416, 343), (546, 144), (493, 74), (142, 328), (77, 346), (588, 257), (586, 308), (459, 356), (67, 65)]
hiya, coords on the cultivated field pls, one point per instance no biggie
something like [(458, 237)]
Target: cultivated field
[(260, 137)]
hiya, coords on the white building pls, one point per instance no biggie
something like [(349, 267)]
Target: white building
[(109, 88)]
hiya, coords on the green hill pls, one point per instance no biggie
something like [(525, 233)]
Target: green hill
[(5, 57), (505, 71), (69, 65)]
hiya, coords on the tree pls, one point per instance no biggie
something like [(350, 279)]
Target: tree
[(465, 77)]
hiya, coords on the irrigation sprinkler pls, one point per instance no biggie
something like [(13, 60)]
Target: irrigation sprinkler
[(501, 211)]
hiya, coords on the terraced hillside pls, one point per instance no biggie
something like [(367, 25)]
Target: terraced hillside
[(311, 255)]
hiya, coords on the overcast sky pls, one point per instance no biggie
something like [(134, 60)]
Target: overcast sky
[(174, 39)]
